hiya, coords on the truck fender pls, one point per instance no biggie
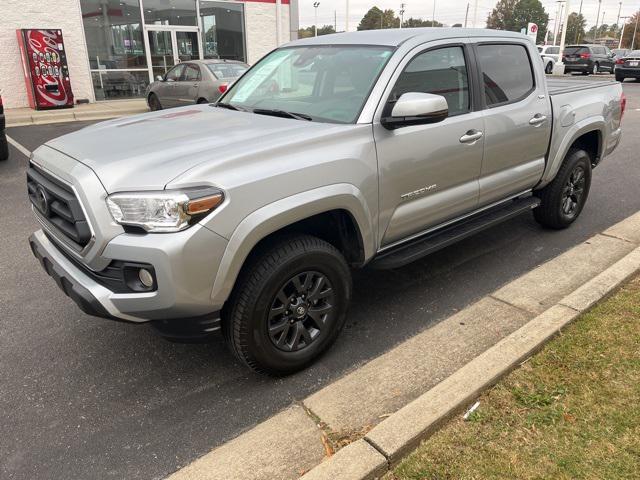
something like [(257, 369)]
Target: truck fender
[(282, 213), (569, 132)]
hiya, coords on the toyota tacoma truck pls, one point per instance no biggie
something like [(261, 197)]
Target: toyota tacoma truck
[(368, 148)]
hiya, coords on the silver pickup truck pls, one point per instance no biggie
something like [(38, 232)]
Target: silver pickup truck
[(370, 148)]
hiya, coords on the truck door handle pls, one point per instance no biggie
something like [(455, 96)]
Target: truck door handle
[(471, 136), (538, 119)]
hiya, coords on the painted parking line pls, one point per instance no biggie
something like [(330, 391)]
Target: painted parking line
[(19, 147)]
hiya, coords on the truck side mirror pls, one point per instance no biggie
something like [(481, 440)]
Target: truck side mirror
[(416, 108)]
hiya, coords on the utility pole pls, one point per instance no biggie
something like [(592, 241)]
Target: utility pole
[(335, 21), (556, 24), (346, 20), (402, 5), (315, 23), (635, 30), (466, 16), (602, 22), (618, 19), (561, 26), (433, 17), (575, 40), (622, 31), (558, 68), (597, 19), (475, 13)]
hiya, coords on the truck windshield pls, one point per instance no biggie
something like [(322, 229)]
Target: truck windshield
[(318, 83)]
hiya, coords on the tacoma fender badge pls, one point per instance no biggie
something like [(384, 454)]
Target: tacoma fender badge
[(417, 193)]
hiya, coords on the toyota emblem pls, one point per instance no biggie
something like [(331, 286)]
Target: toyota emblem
[(42, 201)]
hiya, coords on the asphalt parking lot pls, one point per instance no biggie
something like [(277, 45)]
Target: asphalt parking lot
[(85, 398)]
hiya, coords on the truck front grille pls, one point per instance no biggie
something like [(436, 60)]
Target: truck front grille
[(57, 204)]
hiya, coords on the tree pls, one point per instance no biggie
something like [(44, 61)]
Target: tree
[(376, 19), (575, 28), (418, 22), (501, 17), (514, 15), (628, 33), (309, 31)]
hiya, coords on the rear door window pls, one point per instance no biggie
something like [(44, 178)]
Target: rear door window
[(507, 73)]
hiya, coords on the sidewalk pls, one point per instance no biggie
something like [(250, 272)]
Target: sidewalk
[(91, 111)]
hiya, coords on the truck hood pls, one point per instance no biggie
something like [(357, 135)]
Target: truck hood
[(145, 152)]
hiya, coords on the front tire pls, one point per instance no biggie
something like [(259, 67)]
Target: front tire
[(154, 102), (563, 199), (289, 304), (549, 68)]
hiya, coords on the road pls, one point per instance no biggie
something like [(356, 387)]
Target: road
[(85, 398)]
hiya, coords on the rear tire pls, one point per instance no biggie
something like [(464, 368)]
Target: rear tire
[(563, 199), (4, 147), (154, 102), (289, 304), (619, 78)]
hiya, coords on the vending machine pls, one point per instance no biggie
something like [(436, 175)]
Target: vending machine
[(46, 74)]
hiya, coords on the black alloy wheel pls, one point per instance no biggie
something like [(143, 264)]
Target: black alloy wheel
[(289, 304), (562, 200), (300, 310), (573, 192)]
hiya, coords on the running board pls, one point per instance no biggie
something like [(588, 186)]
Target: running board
[(434, 241)]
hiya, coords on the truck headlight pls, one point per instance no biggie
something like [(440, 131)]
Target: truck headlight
[(166, 210)]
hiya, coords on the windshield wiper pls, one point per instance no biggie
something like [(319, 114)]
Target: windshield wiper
[(282, 113), (228, 106)]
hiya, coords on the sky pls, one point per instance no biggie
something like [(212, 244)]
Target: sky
[(447, 11)]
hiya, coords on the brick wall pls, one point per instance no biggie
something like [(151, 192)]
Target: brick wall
[(39, 14), (260, 22)]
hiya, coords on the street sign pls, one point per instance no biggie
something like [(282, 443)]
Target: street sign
[(532, 31)]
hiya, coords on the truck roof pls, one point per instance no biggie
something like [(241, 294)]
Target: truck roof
[(394, 37)]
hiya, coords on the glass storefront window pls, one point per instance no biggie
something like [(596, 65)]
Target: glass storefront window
[(170, 12), (222, 25), (113, 30), (114, 85)]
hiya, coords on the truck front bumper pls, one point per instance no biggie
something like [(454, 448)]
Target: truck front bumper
[(184, 263)]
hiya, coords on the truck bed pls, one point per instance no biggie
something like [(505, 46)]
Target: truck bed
[(556, 86)]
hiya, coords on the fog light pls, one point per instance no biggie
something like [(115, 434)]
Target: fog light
[(145, 277)]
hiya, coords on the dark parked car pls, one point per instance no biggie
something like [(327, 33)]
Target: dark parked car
[(4, 148), (628, 66), (588, 59)]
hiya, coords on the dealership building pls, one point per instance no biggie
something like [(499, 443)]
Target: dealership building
[(114, 48)]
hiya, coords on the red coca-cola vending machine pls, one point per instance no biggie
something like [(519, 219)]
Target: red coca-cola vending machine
[(46, 74)]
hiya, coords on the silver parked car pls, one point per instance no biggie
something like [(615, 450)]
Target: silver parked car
[(195, 81)]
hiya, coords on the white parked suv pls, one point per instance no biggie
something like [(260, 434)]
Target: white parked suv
[(549, 54)]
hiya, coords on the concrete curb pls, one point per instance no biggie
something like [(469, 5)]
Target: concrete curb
[(402, 432), (76, 114), (524, 314)]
